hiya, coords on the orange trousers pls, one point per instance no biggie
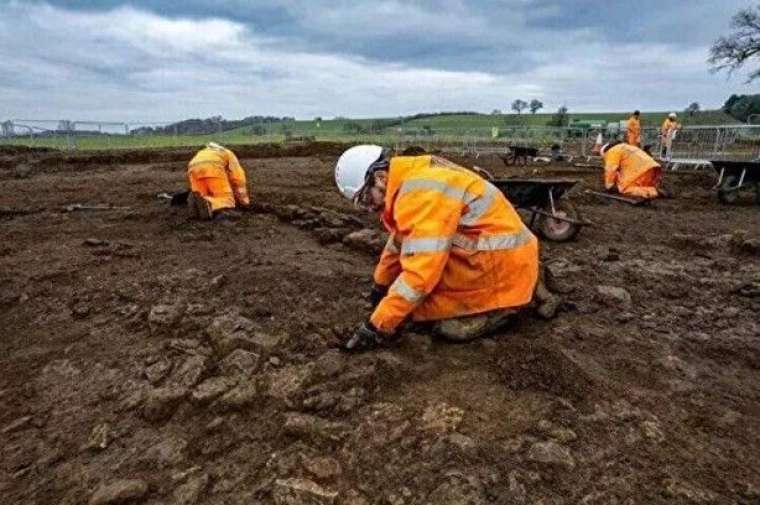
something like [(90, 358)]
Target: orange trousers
[(645, 186), (217, 190)]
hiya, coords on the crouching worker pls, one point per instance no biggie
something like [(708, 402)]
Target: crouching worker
[(217, 182), (458, 253), (631, 171)]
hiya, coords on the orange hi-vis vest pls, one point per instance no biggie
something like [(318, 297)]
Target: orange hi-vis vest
[(624, 164), (212, 162), (456, 246), (633, 131)]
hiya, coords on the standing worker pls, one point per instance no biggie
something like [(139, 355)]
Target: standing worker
[(458, 254), (668, 132), (633, 130), (217, 182), (632, 171)]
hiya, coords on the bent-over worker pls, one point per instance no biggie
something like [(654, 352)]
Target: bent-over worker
[(217, 182), (458, 253), (633, 130), (631, 170)]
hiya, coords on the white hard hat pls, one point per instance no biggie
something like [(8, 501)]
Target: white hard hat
[(604, 149), (352, 166), (673, 115), (214, 145)]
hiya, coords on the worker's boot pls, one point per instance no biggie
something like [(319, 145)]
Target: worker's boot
[(467, 328), (546, 302), (199, 207), (192, 207), (228, 215)]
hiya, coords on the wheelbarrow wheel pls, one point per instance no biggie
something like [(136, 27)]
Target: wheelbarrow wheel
[(557, 230), (726, 195)]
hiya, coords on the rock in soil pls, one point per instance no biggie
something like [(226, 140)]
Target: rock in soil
[(239, 397), (165, 317), (167, 453), (613, 296), (301, 492), (458, 489), (442, 418), (368, 240), (240, 362), (212, 388), (191, 372), (158, 371), (121, 491), (191, 491), (230, 332), (100, 437), (314, 428), (287, 383), (551, 453), (161, 403), (323, 468)]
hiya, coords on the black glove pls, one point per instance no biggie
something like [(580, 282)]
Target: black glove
[(366, 337), (377, 294), (611, 190)]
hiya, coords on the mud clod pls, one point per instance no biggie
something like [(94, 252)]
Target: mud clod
[(122, 491)]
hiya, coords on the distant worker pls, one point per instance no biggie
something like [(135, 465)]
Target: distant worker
[(217, 182), (631, 171), (668, 133), (458, 254), (633, 130)]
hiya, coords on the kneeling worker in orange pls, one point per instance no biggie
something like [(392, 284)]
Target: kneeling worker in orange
[(458, 253), (217, 182), (631, 170)]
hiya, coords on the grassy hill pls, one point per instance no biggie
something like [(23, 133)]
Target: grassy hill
[(382, 130)]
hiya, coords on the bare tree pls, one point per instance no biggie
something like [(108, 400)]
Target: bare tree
[(536, 105), (743, 45), (519, 106)]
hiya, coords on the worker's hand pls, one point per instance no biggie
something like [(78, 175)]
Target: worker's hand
[(377, 294), (612, 190), (366, 337)]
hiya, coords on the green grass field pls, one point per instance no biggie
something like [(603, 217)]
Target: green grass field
[(382, 130)]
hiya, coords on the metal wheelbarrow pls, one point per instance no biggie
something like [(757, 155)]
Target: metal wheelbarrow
[(733, 176), (553, 216)]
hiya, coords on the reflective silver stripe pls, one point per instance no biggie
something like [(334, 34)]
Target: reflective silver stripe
[(432, 185), (494, 242), (479, 206), (214, 163), (408, 293), (425, 245), (391, 245)]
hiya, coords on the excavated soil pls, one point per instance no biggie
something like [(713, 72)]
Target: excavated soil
[(148, 358)]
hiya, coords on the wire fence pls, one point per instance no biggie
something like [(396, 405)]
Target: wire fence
[(692, 144)]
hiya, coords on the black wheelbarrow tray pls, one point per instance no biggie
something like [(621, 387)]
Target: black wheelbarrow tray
[(553, 216), (734, 176)]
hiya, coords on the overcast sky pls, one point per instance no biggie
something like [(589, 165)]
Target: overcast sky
[(173, 59)]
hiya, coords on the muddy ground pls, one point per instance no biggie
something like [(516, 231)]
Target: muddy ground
[(147, 358)]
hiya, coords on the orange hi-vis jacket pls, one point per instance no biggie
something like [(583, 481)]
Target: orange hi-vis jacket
[(669, 127), (624, 165), (217, 163), (633, 131), (456, 246)]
